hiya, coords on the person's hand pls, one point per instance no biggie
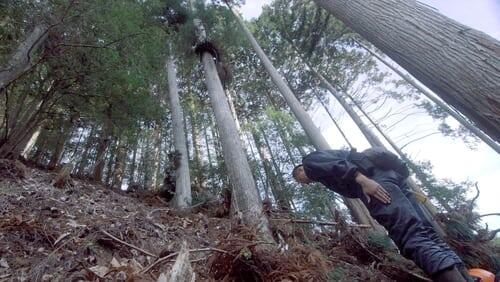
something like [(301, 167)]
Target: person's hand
[(372, 188)]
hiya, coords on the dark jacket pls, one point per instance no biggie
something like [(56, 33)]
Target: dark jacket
[(333, 169)]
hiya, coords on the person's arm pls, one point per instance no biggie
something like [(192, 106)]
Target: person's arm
[(327, 163), (371, 187)]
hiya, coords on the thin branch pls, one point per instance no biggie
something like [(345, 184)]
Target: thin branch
[(417, 139), (127, 244), (101, 46), (328, 223), (488, 214)]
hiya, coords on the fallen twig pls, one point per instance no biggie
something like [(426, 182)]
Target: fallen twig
[(156, 210), (165, 258), (128, 244), (305, 221)]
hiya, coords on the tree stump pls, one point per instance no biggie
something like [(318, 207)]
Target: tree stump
[(182, 270), (63, 177)]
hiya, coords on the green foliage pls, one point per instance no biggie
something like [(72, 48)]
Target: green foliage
[(379, 241), (337, 274)]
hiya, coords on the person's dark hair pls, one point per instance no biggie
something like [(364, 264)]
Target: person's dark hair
[(295, 170)]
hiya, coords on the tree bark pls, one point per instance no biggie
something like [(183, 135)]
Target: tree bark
[(245, 195), (357, 208), (182, 199), (22, 59), (461, 65)]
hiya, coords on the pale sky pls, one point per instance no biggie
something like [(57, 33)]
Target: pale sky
[(451, 158)]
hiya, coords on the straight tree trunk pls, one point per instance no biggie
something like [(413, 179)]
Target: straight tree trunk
[(63, 135), (182, 199), (133, 164), (195, 135), (22, 59), (111, 161), (119, 170), (85, 154), (461, 119), (357, 208), (275, 181), (460, 64), (151, 185), (245, 195), (102, 146)]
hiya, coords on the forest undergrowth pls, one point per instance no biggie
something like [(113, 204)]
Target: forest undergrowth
[(87, 232)]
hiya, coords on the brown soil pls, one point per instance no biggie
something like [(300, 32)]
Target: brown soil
[(54, 234)]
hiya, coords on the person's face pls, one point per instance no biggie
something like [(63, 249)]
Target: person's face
[(301, 176)]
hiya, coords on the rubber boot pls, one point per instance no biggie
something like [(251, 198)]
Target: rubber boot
[(449, 275)]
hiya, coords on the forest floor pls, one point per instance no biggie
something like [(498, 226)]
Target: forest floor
[(88, 232)]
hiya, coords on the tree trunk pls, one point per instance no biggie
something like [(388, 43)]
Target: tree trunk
[(133, 164), (461, 65), (85, 154), (372, 139), (118, 172), (245, 195), (102, 146), (111, 161), (152, 182), (31, 142), (357, 208), (461, 119), (195, 135), (63, 134), (275, 181), (182, 198), (22, 60)]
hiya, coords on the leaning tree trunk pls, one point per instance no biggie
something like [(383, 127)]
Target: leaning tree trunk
[(32, 141), (246, 199), (461, 119), (356, 207), (373, 140), (182, 198), (22, 59), (461, 65)]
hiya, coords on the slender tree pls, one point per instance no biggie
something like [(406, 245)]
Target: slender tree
[(182, 199), (357, 208), (246, 201)]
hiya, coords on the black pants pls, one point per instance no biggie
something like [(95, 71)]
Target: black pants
[(414, 236)]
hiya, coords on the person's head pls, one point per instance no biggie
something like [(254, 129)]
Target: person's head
[(300, 176)]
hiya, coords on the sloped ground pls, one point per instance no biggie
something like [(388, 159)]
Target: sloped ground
[(86, 232)]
